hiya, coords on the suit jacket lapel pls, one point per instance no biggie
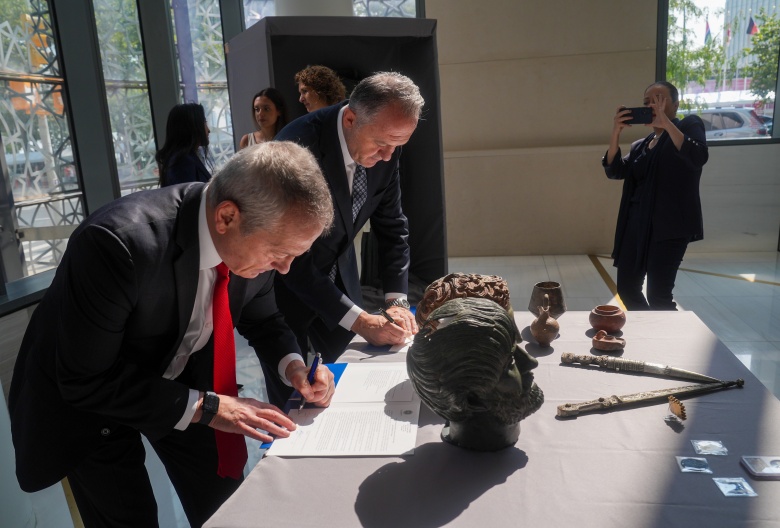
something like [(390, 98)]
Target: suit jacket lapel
[(187, 266), (333, 167)]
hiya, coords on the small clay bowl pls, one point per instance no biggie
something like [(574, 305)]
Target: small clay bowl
[(608, 318), (607, 343)]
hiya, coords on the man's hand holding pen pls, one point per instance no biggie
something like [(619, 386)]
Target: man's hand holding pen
[(390, 327), (320, 391), (402, 317)]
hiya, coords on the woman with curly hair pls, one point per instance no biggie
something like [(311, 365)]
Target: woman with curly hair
[(319, 87)]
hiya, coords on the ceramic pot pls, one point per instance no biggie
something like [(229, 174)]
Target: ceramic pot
[(545, 328), (607, 343), (553, 289), (608, 318)]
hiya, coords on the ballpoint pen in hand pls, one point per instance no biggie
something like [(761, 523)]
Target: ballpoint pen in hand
[(386, 315), (310, 379)]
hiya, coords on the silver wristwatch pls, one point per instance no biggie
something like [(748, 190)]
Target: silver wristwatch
[(403, 303)]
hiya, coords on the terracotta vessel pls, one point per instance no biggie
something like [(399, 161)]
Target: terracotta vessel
[(553, 289), (545, 328), (607, 318), (607, 343)]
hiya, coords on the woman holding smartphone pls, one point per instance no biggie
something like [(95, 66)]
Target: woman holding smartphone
[(660, 210)]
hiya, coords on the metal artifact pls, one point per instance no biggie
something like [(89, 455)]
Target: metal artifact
[(610, 403), (472, 342), (677, 408), (632, 365), (460, 286)]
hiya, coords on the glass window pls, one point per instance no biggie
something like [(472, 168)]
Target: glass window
[(254, 10), (201, 58), (723, 55), (39, 169), (127, 93), (385, 8)]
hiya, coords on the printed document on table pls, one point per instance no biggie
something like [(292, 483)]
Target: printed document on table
[(377, 382), (375, 412)]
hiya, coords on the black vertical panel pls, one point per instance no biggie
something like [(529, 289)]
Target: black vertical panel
[(160, 60), (273, 50), (85, 93)]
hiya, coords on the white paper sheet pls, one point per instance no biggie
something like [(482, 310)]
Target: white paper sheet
[(378, 382), (352, 429), (375, 412), (403, 347)]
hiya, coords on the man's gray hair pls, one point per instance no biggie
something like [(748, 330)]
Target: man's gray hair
[(268, 180), (384, 89)]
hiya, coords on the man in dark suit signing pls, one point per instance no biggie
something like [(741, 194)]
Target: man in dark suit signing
[(357, 144), (122, 345)]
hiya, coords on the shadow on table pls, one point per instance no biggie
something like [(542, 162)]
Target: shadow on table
[(371, 351), (434, 486)]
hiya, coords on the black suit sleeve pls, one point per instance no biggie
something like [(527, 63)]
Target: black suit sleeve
[(97, 369)]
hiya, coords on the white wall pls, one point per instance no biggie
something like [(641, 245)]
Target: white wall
[(528, 93)]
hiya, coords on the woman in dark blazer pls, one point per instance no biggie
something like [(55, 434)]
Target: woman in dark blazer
[(660, 210), (186, 132)]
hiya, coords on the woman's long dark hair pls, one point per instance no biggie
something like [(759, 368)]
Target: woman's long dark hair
[(278, 100), (185, 131)]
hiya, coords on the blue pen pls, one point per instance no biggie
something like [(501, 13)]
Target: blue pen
[(310, 379)]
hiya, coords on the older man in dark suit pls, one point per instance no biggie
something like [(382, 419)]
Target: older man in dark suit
[(122, 345), (357, 144)]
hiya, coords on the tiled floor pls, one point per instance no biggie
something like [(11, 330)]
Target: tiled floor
[(737, 295)]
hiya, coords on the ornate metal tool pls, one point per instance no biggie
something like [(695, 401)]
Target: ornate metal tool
[(612, 402), (632, 365)]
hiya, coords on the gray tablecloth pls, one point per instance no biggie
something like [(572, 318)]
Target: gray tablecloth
[(615, 469)]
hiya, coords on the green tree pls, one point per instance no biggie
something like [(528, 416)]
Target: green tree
[(12, 10), (764, 53), (687, 63)]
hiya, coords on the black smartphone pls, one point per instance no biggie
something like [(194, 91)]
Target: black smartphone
[(641, 115)]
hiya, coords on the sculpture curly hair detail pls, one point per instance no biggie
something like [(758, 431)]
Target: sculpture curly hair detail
[(460, 286)]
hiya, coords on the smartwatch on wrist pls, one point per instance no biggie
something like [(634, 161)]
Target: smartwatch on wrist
[(208, 408), (403, 303)]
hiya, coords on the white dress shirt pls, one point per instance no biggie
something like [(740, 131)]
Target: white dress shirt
[(349, 166), (201, 324)]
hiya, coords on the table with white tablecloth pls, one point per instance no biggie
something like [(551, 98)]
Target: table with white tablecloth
[(598, 470)]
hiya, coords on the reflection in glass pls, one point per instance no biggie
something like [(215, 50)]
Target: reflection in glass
[(45, 193)]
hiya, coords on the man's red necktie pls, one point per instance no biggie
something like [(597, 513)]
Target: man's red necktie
[(231, 447)]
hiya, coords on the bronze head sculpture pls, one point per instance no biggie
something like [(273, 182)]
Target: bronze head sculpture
[(459, 286), (467, 366)]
